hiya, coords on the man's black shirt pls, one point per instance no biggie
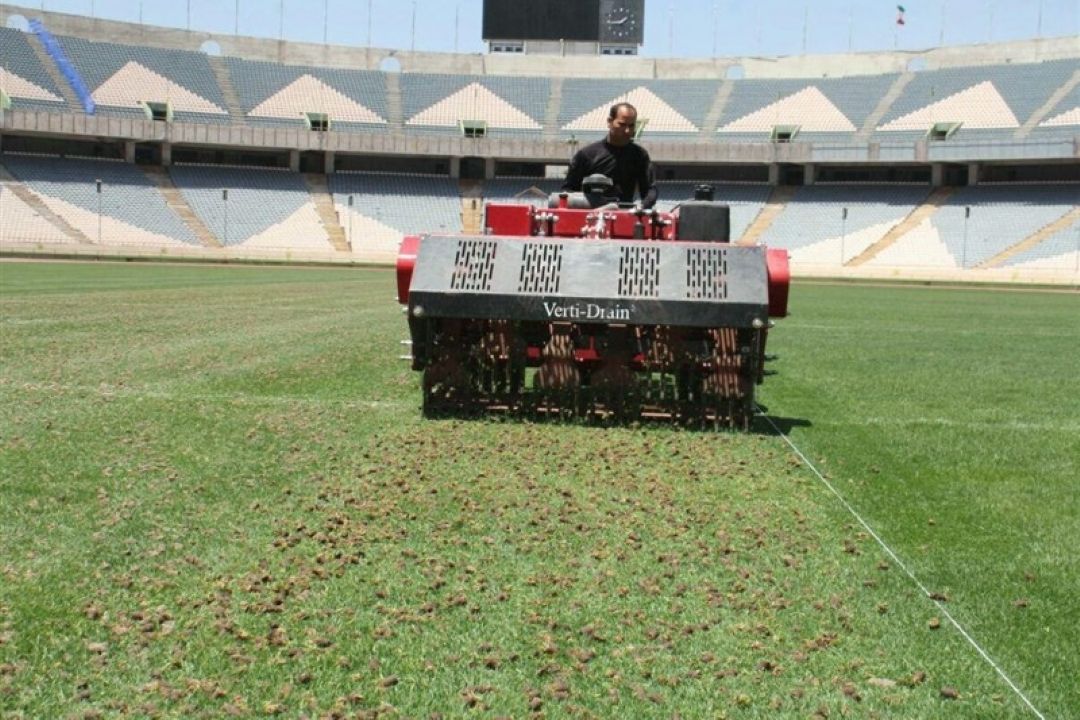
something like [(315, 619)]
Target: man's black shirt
[(628, 167)]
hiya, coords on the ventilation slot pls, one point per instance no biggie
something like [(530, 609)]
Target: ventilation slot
[(541, 268), (639, 272), (706, 273), (474, 265)]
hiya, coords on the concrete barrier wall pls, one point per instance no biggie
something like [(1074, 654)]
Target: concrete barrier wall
[(1067, 279)]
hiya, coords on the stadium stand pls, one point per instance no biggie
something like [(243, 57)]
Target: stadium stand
[(670, 109), (866, 132), (23, 223), (121, 77), (275, 94), (263, 208), (1000, 216), (978, 223), (1063, 119), (826, 109), (509, 106), (871, 210), (1060, 251), (130, 208), (991, 101), (388, 206), (22, 76)]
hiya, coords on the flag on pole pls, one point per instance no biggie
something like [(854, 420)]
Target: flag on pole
[(900, 15)]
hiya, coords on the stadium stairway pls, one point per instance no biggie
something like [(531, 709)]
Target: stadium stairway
[(778, 200), (1039, 115), (551, 113), (886, 102), (915, 218), (712, 118), (472, 207), (1034, 239), (175, 201), (394, 117), (228, 90), (324, 207), (74, 105), (11, 184)]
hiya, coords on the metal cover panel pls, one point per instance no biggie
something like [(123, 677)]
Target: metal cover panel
[(580, 280)]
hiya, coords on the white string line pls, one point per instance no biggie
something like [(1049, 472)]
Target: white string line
[(902, 566)]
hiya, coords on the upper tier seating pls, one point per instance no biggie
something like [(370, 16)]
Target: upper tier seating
[(673, 109), (991, 101), (121, 76), (826, 109), (1063, 119), (23, 78), (264, 209), (132, 209), (275, 94), (509, 105)]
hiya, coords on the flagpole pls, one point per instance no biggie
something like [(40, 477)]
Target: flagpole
[(805, 22), (941, 32), (850, 28), (671, 30), (715, 26)]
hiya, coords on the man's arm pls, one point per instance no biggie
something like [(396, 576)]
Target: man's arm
[(647, 183), (576, 172)]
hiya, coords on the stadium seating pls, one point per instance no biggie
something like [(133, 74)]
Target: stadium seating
[(389, 206), (131, 209), (23, 78), (20, 223), (276, 94), (1018, 112), (669, 110), (1000, 217), (1060, 251), (825, 109), (264, 209), (991, 101), (814, 229), (509, 105), (121, 76), (1063, 120)]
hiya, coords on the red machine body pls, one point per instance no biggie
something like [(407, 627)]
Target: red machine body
[(528, 220), (478, 345)]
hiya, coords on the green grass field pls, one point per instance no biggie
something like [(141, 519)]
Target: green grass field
[(218, 498)]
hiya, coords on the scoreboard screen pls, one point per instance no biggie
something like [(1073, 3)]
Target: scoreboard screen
[(542, 20)]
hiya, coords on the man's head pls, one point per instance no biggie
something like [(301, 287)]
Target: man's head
[(621, 123)]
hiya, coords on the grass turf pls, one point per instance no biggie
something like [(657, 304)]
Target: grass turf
[(217, 497)]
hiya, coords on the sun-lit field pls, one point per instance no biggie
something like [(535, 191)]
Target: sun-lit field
[(218, 498)]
